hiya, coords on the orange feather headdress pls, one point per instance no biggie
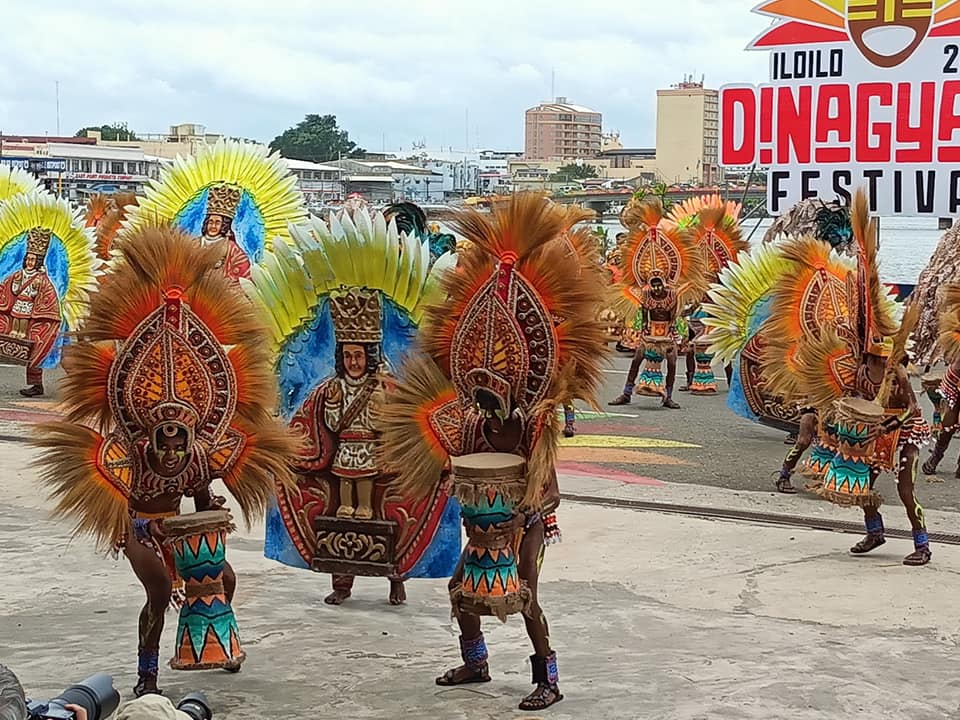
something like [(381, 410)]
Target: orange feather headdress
[(169, 344), (657, 247), (519, 321), (714, 224)]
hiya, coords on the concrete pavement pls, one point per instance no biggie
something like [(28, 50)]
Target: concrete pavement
[(652, 616)]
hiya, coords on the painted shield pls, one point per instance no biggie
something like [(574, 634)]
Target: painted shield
[(768, 408), (887, 32)]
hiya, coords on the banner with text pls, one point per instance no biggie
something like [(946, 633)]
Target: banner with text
[(861, 93)]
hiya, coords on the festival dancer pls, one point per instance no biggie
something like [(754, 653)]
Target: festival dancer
[(851, 370), (412, 220), (948, 343), (663, 268), (738, 313), (345, 302), (499, 355), (47, 266), (812, 295), (168, 388), (232, 195), (714, 225)]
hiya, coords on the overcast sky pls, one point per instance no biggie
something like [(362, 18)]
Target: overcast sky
[(393, 72)]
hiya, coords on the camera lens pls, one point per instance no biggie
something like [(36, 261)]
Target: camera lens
[(195, 705), (96, 695)]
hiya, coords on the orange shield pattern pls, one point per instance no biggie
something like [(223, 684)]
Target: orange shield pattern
[(888, 32)]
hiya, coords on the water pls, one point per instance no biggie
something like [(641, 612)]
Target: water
[(906, 244)]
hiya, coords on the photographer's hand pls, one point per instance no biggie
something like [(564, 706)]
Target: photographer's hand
[(78, 711)]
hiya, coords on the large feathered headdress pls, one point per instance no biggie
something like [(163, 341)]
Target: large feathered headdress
[(240, 180), (827, 315), (519, 318), (657, 247), (168, 342), (714, 224)]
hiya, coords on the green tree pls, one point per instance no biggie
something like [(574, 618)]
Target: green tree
[(316, 138), (573, 171), (659, 190), (116, 131)]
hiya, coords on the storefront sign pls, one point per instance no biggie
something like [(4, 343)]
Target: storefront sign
[(105, 176), (36, 164), (861, 93)]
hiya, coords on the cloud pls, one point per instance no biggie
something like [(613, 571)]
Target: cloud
[(391, 72)]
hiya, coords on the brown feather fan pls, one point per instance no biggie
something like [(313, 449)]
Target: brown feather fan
[(523, 231), (549, 289), (908, 324), (873, 317)]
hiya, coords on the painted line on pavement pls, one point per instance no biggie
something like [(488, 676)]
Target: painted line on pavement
[(594, 414), (622, 441), (598, 471), (617, 456)]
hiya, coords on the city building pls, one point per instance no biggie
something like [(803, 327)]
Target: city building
[(687, 134), (561, 131), (185, 139), (462, 174), (76, 167), (320, 183)]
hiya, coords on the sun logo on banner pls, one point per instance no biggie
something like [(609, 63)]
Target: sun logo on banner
[(886, 32)]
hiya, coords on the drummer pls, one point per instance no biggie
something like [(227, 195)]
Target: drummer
[(950, 407), (503, 430), (173, 441), (658, 305), (906, 432), (486, 389)]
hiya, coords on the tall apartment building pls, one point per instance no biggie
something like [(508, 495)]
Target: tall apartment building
[(687, 134), (561, 131)]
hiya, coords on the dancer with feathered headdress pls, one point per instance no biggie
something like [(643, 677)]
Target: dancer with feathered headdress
[(516, 338), (168, 387), (664, 269), (345, 303), (233, 195), (715, 226), (842, 352)]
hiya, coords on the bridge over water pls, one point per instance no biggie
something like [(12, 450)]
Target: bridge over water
[(605, 202)]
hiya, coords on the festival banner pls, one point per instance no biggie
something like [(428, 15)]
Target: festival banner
[(862, 93)]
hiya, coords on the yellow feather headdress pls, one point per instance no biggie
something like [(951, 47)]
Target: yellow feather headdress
[(16, 181), (358, 251), (736, 307), (24, 212), (248, 167)]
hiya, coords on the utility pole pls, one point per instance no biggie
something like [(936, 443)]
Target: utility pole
[(466, 145), (58, 107)]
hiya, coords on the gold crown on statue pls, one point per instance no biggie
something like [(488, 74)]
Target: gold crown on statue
[(223, 199), (38, 240), (357, 315), (880, 347)]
